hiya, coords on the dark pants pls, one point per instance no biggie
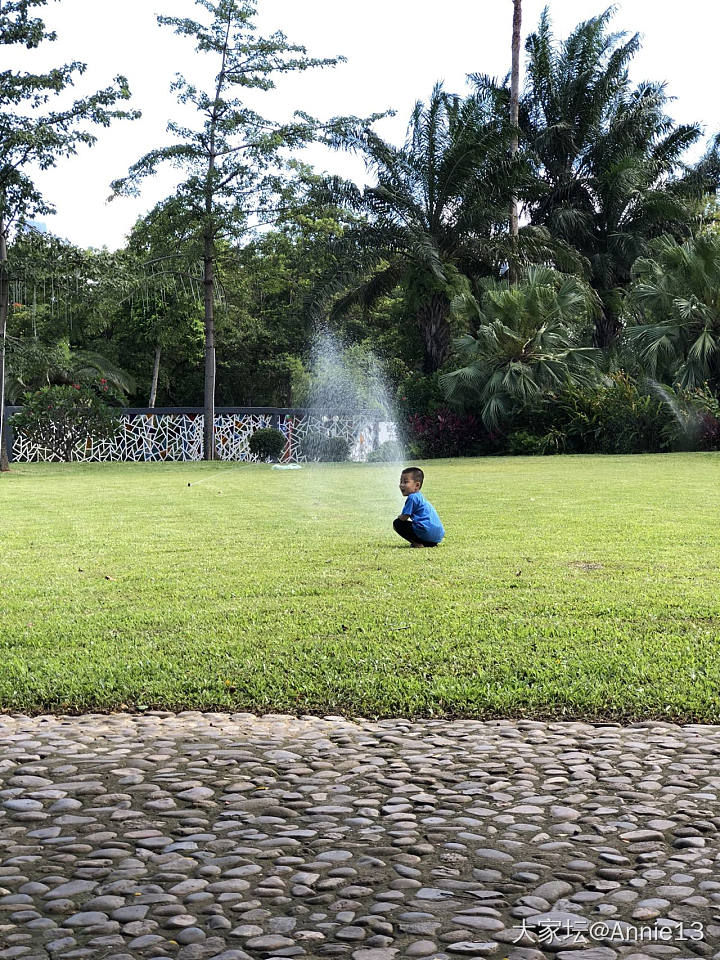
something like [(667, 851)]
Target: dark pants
[(405, 529)]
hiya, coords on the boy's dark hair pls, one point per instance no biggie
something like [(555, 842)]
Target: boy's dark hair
[(416, 473)]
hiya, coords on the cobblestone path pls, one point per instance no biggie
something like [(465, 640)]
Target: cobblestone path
[(233, 836)]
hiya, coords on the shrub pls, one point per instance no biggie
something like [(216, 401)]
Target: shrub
[(60, 419), (527, 339), (709, 432), (616, 416), (620, 415), (693, 418), (267, 443), (324, 447), (335, 449), (420, 394), (613, 417), (448, 434), (624, 419), (522, 443), (387, 452)]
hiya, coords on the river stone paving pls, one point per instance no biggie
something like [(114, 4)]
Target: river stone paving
[(221, 836)]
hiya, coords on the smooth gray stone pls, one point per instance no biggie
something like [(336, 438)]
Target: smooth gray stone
[(269, 942), (22, 805), (61, 944), (593, 953), (552, 890), (70, 889), (85, 918), (190, 935)]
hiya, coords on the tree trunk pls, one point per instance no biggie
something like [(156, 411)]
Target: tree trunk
[(4, 308), (209, 235), (514, 117), (432, 318), (209, 405), (607, 328), (156, 372)]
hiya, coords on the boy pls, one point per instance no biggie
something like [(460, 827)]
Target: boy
[(419, 523)]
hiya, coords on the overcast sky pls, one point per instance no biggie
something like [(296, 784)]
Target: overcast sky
[(396, 50)]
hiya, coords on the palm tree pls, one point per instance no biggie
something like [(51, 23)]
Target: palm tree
[(527, 343), (676, 294), (610, 157), (436, 215)]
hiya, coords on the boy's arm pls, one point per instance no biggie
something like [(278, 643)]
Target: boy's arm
[(409, 505)]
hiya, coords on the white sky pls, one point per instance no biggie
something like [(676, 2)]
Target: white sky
[(396, 51)]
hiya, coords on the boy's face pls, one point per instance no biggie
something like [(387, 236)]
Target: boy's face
[(408, 484)]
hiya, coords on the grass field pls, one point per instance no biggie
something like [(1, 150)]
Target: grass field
[(567, 587)]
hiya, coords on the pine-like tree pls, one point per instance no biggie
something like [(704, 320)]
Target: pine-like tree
[(234, 160)]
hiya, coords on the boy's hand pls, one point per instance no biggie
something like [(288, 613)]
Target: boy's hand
[(404, 516)]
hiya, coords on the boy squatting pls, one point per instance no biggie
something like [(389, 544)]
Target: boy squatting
[(419, 522)]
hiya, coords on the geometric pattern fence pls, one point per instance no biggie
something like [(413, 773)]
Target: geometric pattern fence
[(177, 434)]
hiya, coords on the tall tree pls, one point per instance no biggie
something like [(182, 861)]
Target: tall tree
[(610, 158), (34, 136), (515, 102), (436, 215), (233, 158)]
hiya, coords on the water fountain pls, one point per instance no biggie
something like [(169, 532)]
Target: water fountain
[(687, 419), (348, 397)]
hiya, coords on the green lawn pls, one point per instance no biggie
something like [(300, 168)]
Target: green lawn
[(567, 587)]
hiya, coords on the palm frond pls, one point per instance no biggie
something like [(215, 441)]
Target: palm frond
[(368, 292), (704, 349), (91, 363)]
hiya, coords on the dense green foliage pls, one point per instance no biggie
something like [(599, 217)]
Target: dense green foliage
[(61, 418), (527, 341), (566, 587), (616, 414), (603, 309), (610, 160), (677, 295), (35, 133)]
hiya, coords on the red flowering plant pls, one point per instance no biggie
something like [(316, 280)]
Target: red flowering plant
[(448, 434), (64, 419), (709, 432)]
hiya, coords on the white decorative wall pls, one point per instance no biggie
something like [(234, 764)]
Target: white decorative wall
[(179, 436)]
